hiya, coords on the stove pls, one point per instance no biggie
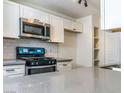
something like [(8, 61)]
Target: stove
[(36, 62), (40, 62)]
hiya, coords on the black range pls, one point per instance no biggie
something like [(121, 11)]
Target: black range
[(36, 62)]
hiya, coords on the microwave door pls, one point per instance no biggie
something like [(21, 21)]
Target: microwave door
[(32, 30), (47, 32)]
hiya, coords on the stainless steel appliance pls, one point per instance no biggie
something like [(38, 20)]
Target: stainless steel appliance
[(33, 28), (36, 62)]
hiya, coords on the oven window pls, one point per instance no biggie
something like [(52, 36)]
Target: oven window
[(41, 70), (30, 28)]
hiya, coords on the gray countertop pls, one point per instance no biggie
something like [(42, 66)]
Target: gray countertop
[(81, 80), (64, 59), (7, 62)]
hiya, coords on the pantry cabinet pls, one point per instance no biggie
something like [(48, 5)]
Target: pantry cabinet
[(57, 29), (73, 26), (110, 14), (28, 12), (11, 19)]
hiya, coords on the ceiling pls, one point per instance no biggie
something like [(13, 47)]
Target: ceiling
[(68, 7)]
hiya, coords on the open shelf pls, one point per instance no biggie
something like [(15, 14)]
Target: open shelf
[(96, 60), (96, 46), (96, 38)]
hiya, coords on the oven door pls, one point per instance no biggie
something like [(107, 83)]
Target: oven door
[(31, 30), (40, 69)]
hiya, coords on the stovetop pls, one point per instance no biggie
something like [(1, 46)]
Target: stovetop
[(39, 61), (36, 58)]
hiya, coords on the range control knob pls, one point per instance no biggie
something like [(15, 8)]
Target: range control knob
[(32, 63), (53, 62), (49, 62), (36, 63)]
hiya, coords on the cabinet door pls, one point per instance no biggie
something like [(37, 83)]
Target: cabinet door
[(57, 29), (77, 27), (28, 12), (10, 19), (68, 24), (44, 17), (64, 66), (72, 26), (110, 14)]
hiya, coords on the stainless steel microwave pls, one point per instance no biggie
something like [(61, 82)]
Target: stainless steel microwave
[(33, 28)]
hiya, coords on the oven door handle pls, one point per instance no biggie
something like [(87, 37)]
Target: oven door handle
[(28, 67)]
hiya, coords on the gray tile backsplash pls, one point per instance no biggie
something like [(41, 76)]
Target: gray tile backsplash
[(9, 47)]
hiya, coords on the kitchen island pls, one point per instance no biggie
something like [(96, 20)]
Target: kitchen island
[(80, 80)]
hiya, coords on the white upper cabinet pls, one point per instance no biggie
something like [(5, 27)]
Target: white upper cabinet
[(68, 25), (110, 14), (28, 12), (10, 19), (73, 26), (57, 29), (77, 27)]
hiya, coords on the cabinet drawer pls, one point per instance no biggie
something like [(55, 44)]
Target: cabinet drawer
[(64, 66), (13, 70)]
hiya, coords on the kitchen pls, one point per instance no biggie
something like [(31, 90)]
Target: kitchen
[(49, 47)]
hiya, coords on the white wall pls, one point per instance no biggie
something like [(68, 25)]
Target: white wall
[(68, 48), (96, 20), (102, 47), (110, 14), (84, 43)]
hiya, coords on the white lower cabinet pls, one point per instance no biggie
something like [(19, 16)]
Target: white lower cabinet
[(11, 19), (64, 66), (13, 70)]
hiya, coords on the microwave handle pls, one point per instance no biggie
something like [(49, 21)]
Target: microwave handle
[(37, 20), (46, 51)]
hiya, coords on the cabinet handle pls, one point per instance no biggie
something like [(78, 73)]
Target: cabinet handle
[(74, 29), (37, 20), (9, 70), (64, 64)]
